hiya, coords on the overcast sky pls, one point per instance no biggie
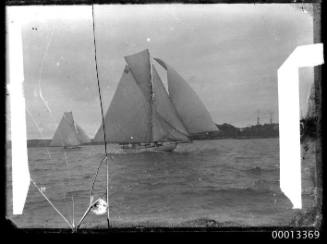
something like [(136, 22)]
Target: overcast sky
[(229, 54)]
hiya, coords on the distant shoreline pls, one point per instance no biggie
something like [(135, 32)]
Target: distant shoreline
[(225, 131)]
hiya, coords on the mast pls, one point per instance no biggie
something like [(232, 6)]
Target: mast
[(151, 101), (141, 110)]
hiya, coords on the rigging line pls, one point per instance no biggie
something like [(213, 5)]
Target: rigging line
[(73, 224), (95, 176), (97, 73), (101, 106), (151, 99), (52, 205), (91, 197), (45, 102), (86, 213), (170, 125)]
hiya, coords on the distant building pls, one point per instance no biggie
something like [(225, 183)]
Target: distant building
[(258, 120)]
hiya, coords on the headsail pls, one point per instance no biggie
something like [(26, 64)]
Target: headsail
[(68, 132), (191, 110), (126, 120), (166, 124)]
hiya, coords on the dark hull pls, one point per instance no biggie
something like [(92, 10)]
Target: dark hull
[(167, 147)]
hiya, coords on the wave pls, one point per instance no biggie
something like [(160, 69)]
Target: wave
[(266, 186), (197, 150), (258, 170), (207, 222), (258, 187), (196, 222)]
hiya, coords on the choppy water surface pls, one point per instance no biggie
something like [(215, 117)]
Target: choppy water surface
[(235, 182)]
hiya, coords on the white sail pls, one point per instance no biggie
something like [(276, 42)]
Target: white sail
[(66, 134), (191, 110), (142, 111), (126, 120), (140, 66), (166, 124)]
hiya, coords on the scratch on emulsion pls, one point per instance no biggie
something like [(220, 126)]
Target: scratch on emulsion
[(45, 102), (38, 128)]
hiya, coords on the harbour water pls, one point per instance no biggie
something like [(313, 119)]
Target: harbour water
[(233, 182)]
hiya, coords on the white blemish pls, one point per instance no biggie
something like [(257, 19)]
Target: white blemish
[(99, 207), (289, 118), (148, 39), (20, 169)]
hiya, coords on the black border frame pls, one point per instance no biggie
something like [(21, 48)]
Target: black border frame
[(220, 232)]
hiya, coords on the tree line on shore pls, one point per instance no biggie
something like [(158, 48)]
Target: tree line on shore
[(308, 129)]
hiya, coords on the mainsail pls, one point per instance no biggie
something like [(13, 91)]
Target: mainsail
[(191, 110), (141, 110), (69, 133), (140, 67), (127, 117)]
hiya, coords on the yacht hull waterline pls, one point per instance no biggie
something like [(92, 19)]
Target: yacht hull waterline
[(166, 147)]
